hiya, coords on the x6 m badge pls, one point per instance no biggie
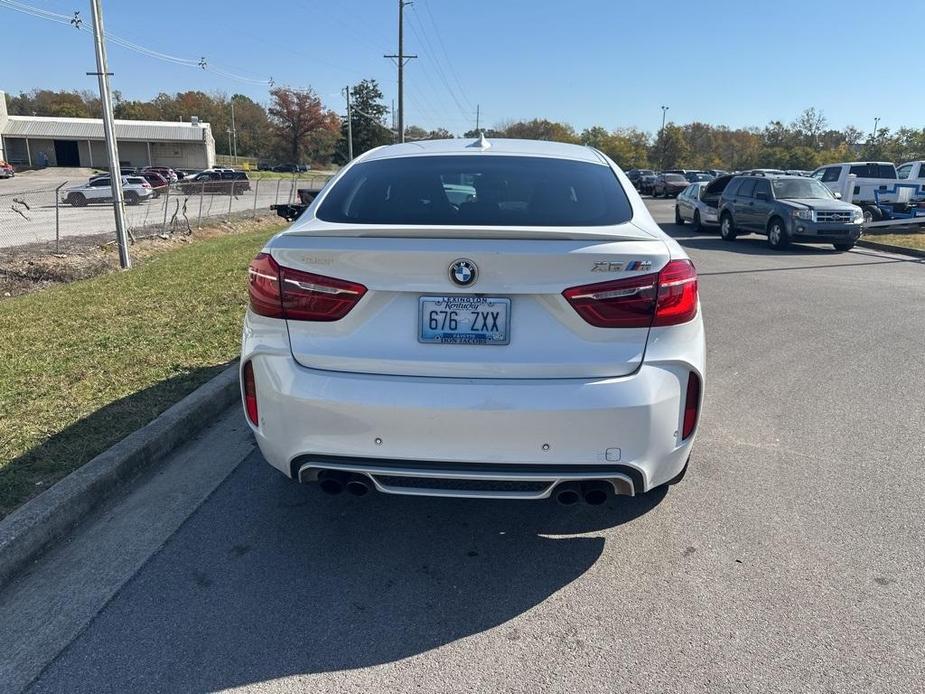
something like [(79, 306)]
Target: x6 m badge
[(632, 266)]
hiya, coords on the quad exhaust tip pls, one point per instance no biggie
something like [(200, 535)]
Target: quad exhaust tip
[(358, 485), (334, 482), (568, 493), (592, 492)]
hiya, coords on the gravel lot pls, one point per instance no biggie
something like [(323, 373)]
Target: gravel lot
[(790, 558)]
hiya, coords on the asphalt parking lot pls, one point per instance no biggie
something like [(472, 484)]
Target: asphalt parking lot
[(789, 559)]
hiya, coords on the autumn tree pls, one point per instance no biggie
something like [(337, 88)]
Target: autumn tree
[(541, 129), (301, 124), (46, 102), (670, 149), (415, 132)]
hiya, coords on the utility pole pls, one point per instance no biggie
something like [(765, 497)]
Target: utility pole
[(234, 133), (661, 162), (400, 59), (109, 130), (477, 107), (228, 130), (349, 126)]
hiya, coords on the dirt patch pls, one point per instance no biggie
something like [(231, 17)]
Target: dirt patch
[(26, 269)]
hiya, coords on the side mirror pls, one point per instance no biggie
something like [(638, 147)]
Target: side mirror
[(763, 196), (837, 195)]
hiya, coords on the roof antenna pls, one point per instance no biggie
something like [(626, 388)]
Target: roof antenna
[(481, 143)]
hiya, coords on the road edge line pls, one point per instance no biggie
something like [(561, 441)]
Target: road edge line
[(32, 529)]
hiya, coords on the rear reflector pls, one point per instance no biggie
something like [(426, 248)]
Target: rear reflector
[(691, 405), (666, 298), (250, 394), (281, 292)]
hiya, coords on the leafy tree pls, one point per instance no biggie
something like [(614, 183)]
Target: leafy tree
[(301, 124), (488, 132), (671, 148), (46, 102), (250, 120), (368, 117), (808, 126), (541, 129)]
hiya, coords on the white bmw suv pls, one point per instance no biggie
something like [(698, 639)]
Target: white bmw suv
[(498, 319)]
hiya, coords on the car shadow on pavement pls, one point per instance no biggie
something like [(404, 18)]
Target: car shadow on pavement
[(271, 579)]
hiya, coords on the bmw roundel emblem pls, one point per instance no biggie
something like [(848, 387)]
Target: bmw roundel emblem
[(463, 272)]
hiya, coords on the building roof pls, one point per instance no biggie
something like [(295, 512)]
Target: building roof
[(527, 148), (92, 129)]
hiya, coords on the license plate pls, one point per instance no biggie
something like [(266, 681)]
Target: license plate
[(465, 320)]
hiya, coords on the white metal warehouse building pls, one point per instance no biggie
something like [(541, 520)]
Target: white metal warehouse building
[(32, 140)]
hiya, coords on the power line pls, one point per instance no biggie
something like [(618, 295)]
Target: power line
[(439, 70), (77, 22), (446, 55)]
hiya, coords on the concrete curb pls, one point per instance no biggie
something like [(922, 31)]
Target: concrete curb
[(33, 528), (902, 250)]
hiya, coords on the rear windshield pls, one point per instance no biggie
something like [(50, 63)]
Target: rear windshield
[(874, 171), (487, 190)]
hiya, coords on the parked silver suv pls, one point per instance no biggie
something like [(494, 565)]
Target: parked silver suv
[(99, 189)]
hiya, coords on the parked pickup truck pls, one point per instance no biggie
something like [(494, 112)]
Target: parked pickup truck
[(871, 177), (291, 211), (913, 172)]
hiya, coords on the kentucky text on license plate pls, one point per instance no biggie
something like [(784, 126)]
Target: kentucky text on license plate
[(465, 320)]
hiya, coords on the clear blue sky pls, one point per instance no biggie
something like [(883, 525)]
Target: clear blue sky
[(588, 62)]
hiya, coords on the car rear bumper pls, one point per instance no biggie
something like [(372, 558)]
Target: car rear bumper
[(625, 430)]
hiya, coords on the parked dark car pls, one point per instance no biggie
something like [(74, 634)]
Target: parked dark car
[(669, 185), (286, 168), (642, 179), (158, 183), (169, 174), (697, 176), (227, 182), (788, 208)]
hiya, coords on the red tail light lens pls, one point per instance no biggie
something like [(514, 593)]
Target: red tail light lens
[(281, 292), (691, 405), (628, 303), (666, 298), (250, 393), (677, 293), (263, 286)]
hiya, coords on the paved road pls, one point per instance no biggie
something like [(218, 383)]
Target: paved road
[(27, 206), (791, 558)]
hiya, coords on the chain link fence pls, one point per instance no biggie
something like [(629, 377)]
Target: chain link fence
[(50, 218)]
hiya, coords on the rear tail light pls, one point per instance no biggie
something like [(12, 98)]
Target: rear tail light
[(691, 405), (250, 393), (677, 293), (281, 292), (668, 297)]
